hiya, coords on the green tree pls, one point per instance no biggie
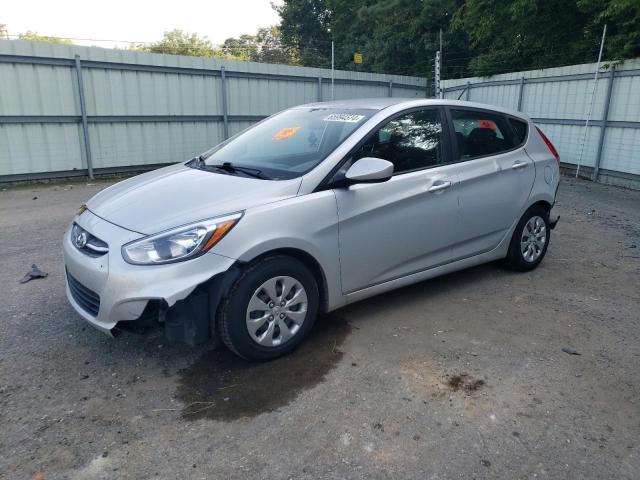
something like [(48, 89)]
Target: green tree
[(481, 37), (305, 27), (273, 49), (394, 36), (35, 37), (243, 48), (4, 33), (622, 18), (178, 42), (265, 46), (507, 35)]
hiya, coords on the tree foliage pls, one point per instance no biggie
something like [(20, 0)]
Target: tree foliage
[(521, 34), (622, 18), (179, 42), (35, 37), (266, 46), (305, 28), (481, 37)]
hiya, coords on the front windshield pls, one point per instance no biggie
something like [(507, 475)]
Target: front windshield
[(290, 143)]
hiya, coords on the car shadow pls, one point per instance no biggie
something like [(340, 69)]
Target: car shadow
[(221, 386)]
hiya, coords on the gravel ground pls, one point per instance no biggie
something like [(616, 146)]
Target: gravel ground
[(462, 376)]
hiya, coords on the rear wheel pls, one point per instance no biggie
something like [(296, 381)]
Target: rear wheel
[(530, 240), (270, 309)]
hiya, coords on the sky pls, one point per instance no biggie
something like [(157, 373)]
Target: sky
[(136, 20)]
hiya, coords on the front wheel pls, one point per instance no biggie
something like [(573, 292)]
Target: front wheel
[(270, 309), (530, 240)]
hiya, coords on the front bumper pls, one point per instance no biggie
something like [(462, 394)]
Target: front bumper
[(124, 290)]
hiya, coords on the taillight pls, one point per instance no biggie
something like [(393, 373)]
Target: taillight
[(552, 149)]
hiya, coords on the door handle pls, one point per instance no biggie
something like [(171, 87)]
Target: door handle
[(438, 186), (519, 165)]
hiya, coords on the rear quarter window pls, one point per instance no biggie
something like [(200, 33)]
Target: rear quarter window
[(520, 130)]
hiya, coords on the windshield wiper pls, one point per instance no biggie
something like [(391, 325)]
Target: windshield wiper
[(231, 168)]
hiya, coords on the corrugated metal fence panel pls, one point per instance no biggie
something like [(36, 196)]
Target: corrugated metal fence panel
[(117, 92), (143, 143), (621, 152), (36, 147), (37, 90), (140, 88), (568, 140), (625, 99), (252, 96), (558, 102), (507, 97), (567, 100)]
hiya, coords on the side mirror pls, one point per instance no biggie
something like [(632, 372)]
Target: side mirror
[(369, 170)]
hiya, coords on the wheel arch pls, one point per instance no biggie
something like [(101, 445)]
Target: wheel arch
[(307, 260), (544, 204)]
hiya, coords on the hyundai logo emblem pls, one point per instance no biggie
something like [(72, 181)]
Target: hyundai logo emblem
[(80, 240)]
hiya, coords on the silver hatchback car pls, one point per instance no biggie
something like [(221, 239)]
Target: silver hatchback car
[(311, 209)]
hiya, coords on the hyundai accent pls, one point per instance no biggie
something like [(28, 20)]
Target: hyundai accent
[(309, 210)]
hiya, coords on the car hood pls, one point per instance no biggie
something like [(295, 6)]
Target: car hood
[(177, 195)]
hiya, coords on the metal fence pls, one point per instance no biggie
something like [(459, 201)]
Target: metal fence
[(560, 100), (69, 110)]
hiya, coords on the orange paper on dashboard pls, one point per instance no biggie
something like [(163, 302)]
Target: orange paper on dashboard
[(285, 133)]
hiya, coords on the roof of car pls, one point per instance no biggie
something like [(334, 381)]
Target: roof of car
[(366, 103), (384, 102)]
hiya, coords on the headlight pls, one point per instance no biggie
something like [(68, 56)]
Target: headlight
[(180, 243)]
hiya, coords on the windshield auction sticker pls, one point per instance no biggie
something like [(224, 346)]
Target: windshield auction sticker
[(285, 133), (343, 117)]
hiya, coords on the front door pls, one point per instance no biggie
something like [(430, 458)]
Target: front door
[(405, 225)]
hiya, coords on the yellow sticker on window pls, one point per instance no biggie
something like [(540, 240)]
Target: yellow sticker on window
[(285, 133)]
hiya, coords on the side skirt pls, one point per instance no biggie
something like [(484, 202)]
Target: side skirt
[(497, 253)]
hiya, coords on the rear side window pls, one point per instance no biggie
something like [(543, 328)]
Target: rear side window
[(479, 134), (519, 130)]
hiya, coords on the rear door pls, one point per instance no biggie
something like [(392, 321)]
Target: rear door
[(404, 225), (495, 178)]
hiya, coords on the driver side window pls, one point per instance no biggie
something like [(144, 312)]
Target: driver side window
[(411, 142)]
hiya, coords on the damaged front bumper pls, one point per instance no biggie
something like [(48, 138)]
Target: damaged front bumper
[(105, 290)]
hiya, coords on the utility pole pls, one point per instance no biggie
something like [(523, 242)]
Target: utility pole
[(593, 92), (439, 53), (333, 60), (437, 76)]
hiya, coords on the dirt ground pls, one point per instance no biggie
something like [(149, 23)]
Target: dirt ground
[(462, 376)]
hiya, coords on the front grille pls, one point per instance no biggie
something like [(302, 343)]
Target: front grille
[(86, 298)]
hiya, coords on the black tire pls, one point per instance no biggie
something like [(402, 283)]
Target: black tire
[(233, 308), (515, 259)]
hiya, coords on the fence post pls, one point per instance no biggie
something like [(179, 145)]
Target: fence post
[(520, 90), (603, 127), (319, 89), (438, 91), (468, 94), (83, 114), (225, 110), (391, 88)]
